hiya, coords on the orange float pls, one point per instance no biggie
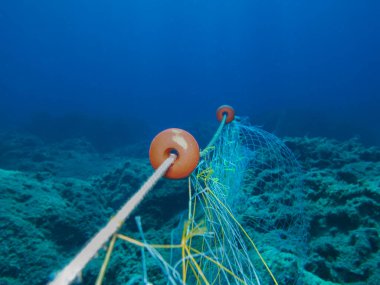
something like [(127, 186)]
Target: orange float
[(225, 109), (182, 144)]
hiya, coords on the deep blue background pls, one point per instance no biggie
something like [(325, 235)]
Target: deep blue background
[(296, 67)]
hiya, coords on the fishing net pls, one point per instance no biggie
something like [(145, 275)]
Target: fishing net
[(245, 222)]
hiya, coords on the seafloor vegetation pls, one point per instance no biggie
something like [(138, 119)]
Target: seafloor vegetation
[(54, 197)]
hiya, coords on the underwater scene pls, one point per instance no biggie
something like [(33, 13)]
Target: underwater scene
[(189, 142)]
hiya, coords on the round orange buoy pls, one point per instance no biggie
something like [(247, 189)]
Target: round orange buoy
[(179, 142), (225, 109)]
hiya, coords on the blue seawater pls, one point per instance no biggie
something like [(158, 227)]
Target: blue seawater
[(86, 84)]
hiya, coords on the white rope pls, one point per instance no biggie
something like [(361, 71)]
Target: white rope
[(71, 271)]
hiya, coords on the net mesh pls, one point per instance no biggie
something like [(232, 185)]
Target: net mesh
[(245, 222)]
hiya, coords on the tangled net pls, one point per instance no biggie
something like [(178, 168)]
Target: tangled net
[(245, 222)]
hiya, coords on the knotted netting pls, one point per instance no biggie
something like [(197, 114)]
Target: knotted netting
[(249, 178), (245, 222)]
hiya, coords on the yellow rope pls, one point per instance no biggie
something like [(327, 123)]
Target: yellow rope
[(139, 243), (248, 237), (196, 266), (219, 265), (111, 245)]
